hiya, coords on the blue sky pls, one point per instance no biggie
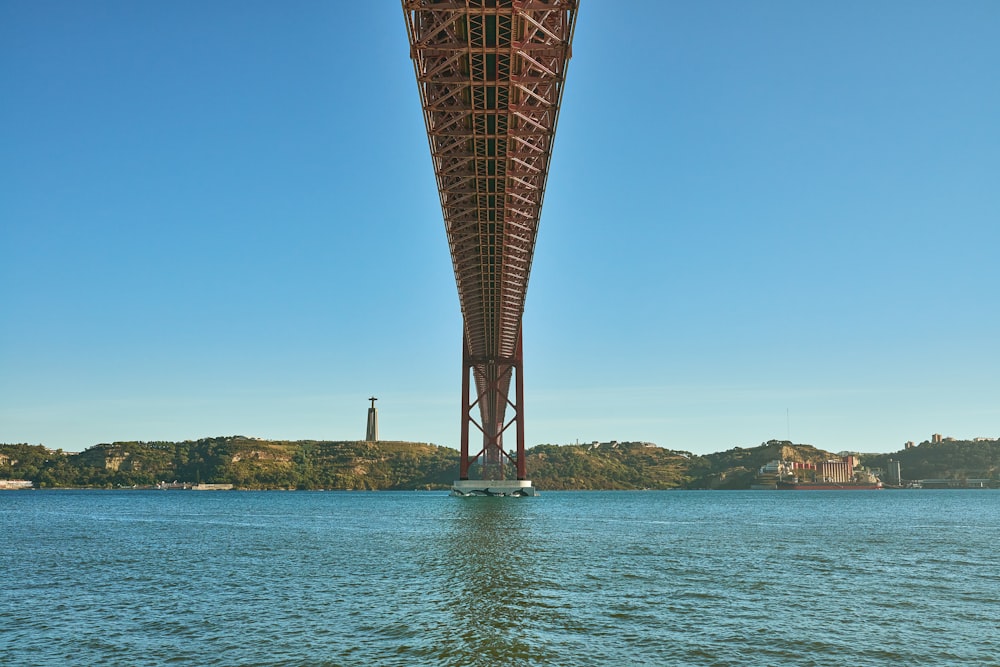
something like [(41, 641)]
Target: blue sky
[(763, 219)]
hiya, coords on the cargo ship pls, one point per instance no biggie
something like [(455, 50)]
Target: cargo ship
[(839, 474)]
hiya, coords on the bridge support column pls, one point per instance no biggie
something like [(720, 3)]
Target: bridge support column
[(463, 466), (493, 379), (522, 463)]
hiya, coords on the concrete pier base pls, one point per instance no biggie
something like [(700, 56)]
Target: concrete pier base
[(493, 487)]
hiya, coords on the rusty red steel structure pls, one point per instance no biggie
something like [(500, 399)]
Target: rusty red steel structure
[(491, 76)]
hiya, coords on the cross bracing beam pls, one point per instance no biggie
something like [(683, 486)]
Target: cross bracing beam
[(490, 75)]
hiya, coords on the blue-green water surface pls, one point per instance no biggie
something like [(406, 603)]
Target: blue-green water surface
[(591, 578)]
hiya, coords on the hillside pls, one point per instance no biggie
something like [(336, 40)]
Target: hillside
[(247, 463), (252, 463), (950, 459), (627, 465)]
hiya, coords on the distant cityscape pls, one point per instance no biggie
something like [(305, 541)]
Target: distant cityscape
[(846, 472)]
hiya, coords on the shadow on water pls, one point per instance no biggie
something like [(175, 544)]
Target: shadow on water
[(488, 550)]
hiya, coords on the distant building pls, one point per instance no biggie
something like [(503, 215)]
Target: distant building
[(908, 444), (9, 484), (893, 474), (936, 438), (837, 471)]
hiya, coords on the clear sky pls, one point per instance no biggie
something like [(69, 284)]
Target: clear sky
[(764, 220)]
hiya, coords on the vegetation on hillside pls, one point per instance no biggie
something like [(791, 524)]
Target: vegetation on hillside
[(627, 465), (951, 459), (251, 463), (247, 463)]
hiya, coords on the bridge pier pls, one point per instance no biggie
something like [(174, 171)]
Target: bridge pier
[(493, 377), (502, 487)]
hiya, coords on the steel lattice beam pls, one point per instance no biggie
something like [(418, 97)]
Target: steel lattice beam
[(491, 75)]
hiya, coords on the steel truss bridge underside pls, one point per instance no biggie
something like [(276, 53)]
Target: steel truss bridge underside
[(491, 75)]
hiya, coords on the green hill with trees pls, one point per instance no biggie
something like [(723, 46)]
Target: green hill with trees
[(247, 463), (253, 463), (627, 465), (949, 459)]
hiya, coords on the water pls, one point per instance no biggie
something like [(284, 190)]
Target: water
[(599, 578)]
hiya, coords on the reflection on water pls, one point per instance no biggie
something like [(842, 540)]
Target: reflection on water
[(488, 548)]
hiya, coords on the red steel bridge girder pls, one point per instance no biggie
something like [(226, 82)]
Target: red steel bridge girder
[(491, 75)]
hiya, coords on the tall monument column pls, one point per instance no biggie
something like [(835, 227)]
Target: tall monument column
[(372, 434)]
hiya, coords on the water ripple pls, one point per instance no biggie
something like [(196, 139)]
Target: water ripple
[(126, 578)]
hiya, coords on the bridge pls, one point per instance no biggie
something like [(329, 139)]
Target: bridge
[(491, 76)]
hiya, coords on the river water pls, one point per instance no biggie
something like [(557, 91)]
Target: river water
[(569, 578)]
